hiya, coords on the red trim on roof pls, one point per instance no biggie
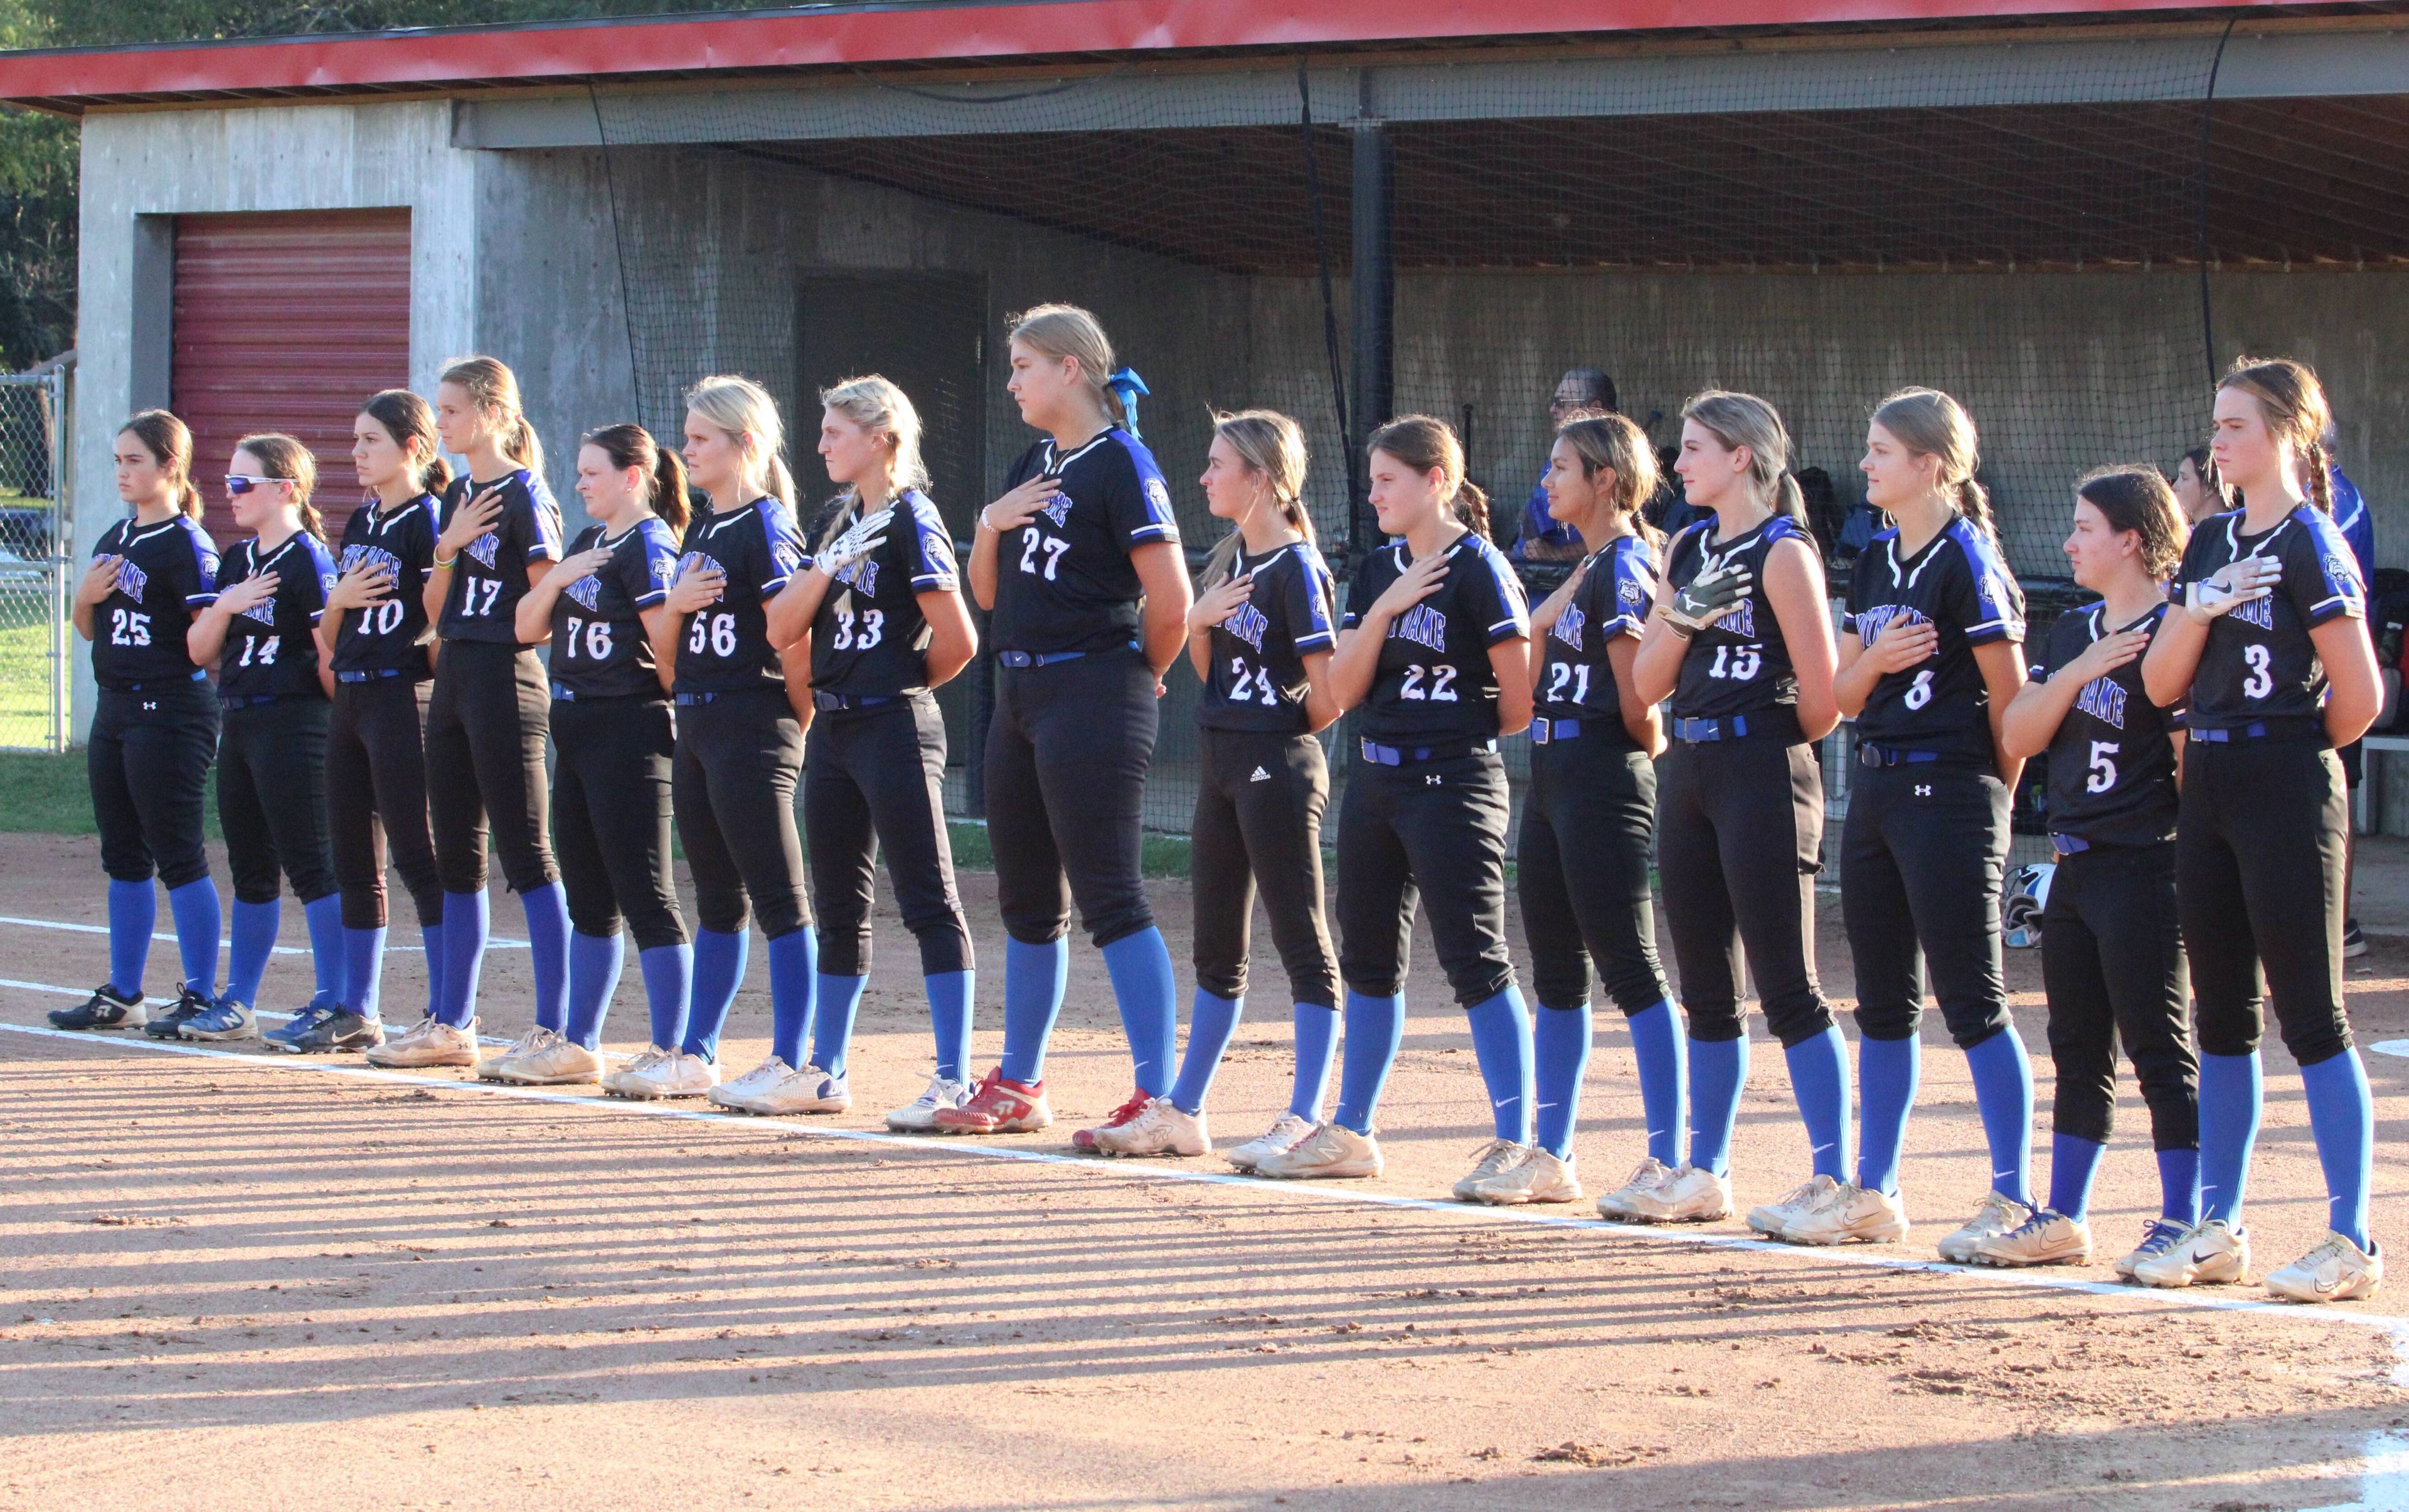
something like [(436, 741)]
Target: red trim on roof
[(927, 33)]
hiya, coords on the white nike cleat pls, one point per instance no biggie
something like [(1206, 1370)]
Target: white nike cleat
[(742, 1093), (429, 1043), (1850, 1215), (2335, 1270), (1540, 1178), (1999, 1214), (560, 1063), (1284, 1134), (1496, 1158), (2210, 1254), (1159, 1129), (2046, 1238), (1650, 1174), (1332, 1151), (676, 1073), (2159, 1235), (1772, 1219), (651, 1056), (919, 1116), (805, 1089), (1692, 1194), (492, 1067)]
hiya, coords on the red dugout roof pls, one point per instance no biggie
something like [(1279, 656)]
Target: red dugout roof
[(839, 35)]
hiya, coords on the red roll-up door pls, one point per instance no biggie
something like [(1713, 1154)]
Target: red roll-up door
[(286, 321)]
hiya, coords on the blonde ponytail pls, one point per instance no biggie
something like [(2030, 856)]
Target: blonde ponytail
[(742, 409), (493, 389)]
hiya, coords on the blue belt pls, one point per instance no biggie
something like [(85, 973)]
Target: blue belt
[(2254, 730), (161, 684), (1883, 756), (1398, 756), (370, 674), (828, 702), (251, 702), (688, 700), (1036, 658), (562, 694), (2068, 845), (1697, 730), (1544, 731)]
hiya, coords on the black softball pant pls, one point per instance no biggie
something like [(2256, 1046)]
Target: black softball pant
[(1589, 826), (1066, 759), (2112, 959), (611, 816), (1740, 837), (875, 780), (732, 784), (1437, 831), (148, 757), (1923, 857), (485, 726), (376, 798), (272, 799), (1260, 798), (2259, 848)]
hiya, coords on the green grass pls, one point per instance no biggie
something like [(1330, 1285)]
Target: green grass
[(24, 673), (1164, 856)]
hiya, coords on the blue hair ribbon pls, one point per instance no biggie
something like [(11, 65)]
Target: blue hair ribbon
[(1126, 383)]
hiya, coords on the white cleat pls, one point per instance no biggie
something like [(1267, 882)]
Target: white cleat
[(560, 1063), (646, 1060), (493, 1068), (1331, 1152), (1999, 1214), (2210, 1254), (2335, 1270), (675, 1073), (747, 1089), (429, 1043), (1773, 1219), (2159, 1235), (1692, 1194), (1540, 1178), (919, 1116), (1850, 1215), (1652, 1172), (806, 1090), (1159, 1129), (1284, 1134), (2046, 1238), (1496, 1158)]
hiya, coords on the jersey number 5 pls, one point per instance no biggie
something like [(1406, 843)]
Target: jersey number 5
[(2103, 767)]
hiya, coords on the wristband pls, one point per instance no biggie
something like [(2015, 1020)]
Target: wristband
[(447, 564)]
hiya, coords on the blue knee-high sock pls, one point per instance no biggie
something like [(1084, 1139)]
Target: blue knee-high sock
[(950, 996), (547, 926), (794, 970), (2342, 1116), (1819, 1080), (1375, 1030), (835, 1002), (1033, 978), (2179, 1185), (1211, 1021), (430, 938), (467, 920), (669, 987), (2004, 1096), (595, 961), (718, 971), (1140, 965), (1559, 1058), (325, 917), (1317, 1036), (2229, 1096), (1657, 1039), (1888, 1073), (2073, 1160), (133, 914), (1501, 1039), (1717, 1071), (363, 970), (254, 940), (194, 908)]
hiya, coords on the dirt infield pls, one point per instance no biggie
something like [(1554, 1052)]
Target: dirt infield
[(228, 1280)]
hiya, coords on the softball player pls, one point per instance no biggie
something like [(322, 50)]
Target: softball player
[(882, 609), (1930, 658), (740, 743), (486, 718), (1740, 641), (374, 636), (1589, 821), (2269, 652), (602, 610), (1431, 645), (1260, 637), (2112, 953), (1081, 540), (260, 633), (154, 729)]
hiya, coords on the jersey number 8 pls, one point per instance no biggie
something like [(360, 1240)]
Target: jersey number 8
[(714, 632)]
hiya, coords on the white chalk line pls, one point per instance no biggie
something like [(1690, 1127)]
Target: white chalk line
[(495, 943)]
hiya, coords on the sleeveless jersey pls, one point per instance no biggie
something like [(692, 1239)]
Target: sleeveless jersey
[(166, 572), (391, 633), (2259, 662), (269, 647), (1258, 680), (1739, 665), (727, 644), (598, 648), (870, 640), (1064, 581), (2112, 763), (1434, 682), (491, 576), (1957, 585), (1576, 678)]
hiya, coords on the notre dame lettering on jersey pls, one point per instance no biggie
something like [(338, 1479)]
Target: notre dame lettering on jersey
[(1258, 681), (391, 633), (598, 647), (727, 646), (491, 576), (1064, 581), (1957, 585), (2259, 662), (1739, 664), (870, 640), (269, 647), (1576, 678), (1434, 682), (2112, 764), (164, 572)]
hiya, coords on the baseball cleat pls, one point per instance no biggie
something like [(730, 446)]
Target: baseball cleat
[(430, 1041), (1692, 1194), (1850, 1215), (2214, 1253), (2046, 1238), (2335, 1270), (1538, 1178), (1773, 1219), (1159, 1129), (1331, 1152), (1000, 1106), (103, 1009), (1084, 1140), (1999, 1214), (919, 1116), (1283, 1134)]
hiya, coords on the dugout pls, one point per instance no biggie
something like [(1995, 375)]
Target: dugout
[(2069, 215)]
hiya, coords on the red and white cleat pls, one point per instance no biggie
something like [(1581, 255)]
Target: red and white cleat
[(1000, 1106), (1084, 1140)]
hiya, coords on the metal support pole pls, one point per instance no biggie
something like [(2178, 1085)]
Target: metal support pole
[(1374, 292)]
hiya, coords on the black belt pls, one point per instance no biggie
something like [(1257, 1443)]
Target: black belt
[(1545, 731), (832, 702), (370, 675), (254, 700), (1886, 755), (1399, 755), (163, 684)]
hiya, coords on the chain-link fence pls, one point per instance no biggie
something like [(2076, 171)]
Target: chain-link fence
[(35, 536)]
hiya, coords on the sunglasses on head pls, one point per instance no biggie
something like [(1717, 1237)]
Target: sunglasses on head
[(238, 484)]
